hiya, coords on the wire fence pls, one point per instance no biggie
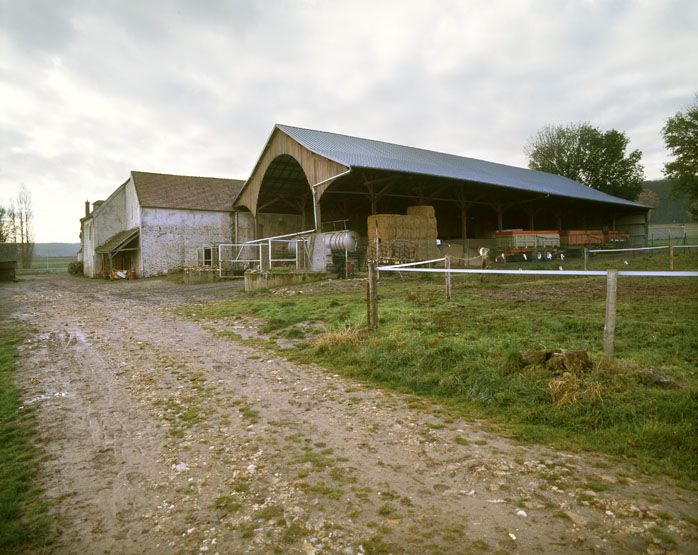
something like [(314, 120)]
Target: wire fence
[(676, 257), (47, 265), (672, 234), (443, 266)]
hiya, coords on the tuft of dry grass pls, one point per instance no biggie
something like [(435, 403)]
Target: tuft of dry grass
[(349, 335), (570, 389)]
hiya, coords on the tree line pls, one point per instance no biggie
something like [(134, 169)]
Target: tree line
[(16, 225), (600, 159)]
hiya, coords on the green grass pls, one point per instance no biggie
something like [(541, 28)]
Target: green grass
[(23, 520), (456, 352), (47, 265)]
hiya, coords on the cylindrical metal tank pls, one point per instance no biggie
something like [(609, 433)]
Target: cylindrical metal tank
[(340, 241)]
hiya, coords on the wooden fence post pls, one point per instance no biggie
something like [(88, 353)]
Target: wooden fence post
[(609, 328), (372, 295), (671, 259), (447, 265)]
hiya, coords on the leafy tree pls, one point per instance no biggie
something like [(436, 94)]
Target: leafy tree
[(648, 197), (681, 138), (581, 152)]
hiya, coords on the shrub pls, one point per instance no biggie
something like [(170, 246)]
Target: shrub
[(75, 268)]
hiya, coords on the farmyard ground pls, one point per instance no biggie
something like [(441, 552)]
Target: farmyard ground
[(163, 436)]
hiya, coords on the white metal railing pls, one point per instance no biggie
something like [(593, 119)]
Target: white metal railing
[(285, 236), (294, 251), (262, 254), (238, 257)]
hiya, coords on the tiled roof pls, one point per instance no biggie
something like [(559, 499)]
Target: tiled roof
[(159, 190), (355, 152)]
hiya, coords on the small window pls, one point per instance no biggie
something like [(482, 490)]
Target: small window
[(208, 256)]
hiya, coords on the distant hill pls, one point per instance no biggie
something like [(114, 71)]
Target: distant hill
[(668, 209), (56, 249)]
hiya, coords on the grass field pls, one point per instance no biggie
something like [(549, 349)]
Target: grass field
[(23, 520), (460, 353), (47, 265)]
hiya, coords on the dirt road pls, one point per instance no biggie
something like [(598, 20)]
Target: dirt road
[(163, 436)]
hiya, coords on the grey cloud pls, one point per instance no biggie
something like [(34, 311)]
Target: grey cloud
[(96, 89), (43, 26)]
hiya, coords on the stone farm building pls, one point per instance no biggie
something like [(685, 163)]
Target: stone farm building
[(154, 223)]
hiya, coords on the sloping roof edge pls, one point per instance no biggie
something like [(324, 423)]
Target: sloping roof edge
[(117, 240), (406, 159)]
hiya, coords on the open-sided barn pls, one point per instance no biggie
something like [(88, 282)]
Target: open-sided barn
[(308, 180), (155, 222)]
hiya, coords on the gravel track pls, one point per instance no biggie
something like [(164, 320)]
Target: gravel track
[(163, 436)]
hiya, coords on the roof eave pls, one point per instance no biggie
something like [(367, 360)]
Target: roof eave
[(620, 202)]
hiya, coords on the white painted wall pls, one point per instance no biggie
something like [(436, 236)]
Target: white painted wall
[(118, 213), (88, 248), (169, 238), (245, 226)]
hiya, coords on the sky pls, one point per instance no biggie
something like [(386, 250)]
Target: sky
[(92, 90)]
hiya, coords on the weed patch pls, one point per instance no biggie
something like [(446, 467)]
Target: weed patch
[(23, 519)]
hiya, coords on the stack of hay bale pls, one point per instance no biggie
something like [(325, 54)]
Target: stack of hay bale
[(403, 238)]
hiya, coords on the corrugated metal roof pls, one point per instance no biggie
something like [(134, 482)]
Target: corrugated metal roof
[(366, 153), (183, 192)]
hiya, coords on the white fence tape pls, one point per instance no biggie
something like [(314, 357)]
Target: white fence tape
[(401, 268)]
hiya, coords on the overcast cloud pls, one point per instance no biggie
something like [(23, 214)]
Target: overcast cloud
[(92, 90)]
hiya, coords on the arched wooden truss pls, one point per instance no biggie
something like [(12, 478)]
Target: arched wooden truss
[(317, 169)]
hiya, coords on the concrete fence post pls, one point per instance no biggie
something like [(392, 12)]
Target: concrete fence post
[(609, 328)]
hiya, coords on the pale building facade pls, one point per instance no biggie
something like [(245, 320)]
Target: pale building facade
[(154, 223)]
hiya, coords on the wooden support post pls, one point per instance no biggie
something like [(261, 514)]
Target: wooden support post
[(447, 264), (586, 256), (609, 328), (464, 228), (373, 198), (372, 295), (671, 259)]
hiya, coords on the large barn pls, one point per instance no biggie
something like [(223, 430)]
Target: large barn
[(308, 180), (154, 223)]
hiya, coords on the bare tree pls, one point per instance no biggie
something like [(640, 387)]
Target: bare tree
[(24, 216), (7, 224)]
